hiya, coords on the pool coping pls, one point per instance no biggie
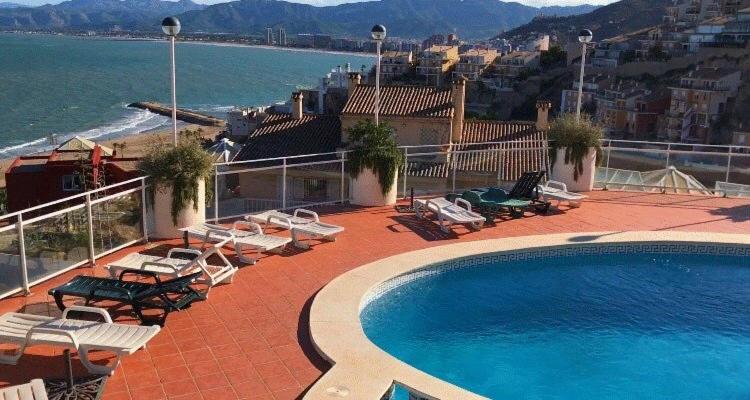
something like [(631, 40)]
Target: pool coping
[(363, 371)]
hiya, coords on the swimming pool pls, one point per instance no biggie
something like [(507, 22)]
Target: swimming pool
[(587, 322)]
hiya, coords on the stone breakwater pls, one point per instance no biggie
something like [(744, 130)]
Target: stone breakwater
[(188, 116)]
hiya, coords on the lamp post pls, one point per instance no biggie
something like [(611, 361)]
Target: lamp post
[(378, 35), (584, 37), (171, 27)]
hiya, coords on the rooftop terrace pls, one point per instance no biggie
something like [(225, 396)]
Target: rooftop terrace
[(250, 339)]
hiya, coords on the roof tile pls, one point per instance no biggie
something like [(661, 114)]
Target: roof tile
[(403, 101)]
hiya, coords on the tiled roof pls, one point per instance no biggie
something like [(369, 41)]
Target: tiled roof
[(403, 101), (280, 135), (485, 158)]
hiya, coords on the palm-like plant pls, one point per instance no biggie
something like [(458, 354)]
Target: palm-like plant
[(374, 147), (182, 167), (577, 138)]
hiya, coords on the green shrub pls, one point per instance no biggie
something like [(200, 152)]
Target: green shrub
[(374, 147), (182, 167), (576, 137)]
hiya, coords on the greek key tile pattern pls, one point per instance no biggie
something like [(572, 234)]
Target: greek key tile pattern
[(552, 252)]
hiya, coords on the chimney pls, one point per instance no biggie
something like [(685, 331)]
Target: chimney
[(458, 93), (297, 105), (542, 114), (354, 80)]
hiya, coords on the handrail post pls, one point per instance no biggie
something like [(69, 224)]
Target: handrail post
[(729, 165), (22, 256), (283, 185), (609, 152), (453, 183), (90, 222), (216, 194), (406, 169), (343, 177), (144, 215), (669, 153)]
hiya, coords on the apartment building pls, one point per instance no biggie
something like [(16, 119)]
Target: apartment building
[(473, 62), (592, 86), (698, 101), (690, 12), (514, 64), (395, 64), (436, 62)]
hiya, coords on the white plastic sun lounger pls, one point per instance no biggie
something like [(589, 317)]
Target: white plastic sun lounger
[(175, 267), (33, 390), (449, 213), (301, 227), (28, 330), (254, 238), (554, 190)]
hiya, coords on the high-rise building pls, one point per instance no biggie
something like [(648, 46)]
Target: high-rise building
[(281, 39), (269, 36)]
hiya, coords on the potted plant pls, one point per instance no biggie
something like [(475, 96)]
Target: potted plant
[(574, 148), (373, 163), (178, 177)]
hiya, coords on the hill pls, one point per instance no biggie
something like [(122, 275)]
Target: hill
[(9, 5), (608, 21), (404, 18), (93, 14)]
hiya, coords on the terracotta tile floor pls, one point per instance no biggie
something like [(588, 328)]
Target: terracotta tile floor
[(249, 340)]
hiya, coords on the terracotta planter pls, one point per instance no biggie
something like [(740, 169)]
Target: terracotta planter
[(164, 227), (365, 191), (563, 172)]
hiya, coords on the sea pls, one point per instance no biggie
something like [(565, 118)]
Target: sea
[(66, 85)]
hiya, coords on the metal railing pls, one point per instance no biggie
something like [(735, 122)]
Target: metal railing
[(280, 183), (711, 165), (44, 241), (41, 242)]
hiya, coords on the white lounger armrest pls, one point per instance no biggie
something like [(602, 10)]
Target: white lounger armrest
[(53, 331), (281, 221), (557, 185), (253, 226), (90, 310), (462, 202), (312, 214)]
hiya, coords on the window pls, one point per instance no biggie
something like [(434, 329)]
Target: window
[(72, 183)]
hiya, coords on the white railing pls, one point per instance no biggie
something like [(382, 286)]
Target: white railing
[(41, 242), (279, 183), (708, 164), (44, 241)]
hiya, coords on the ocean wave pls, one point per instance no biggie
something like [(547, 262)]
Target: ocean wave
[(134, 122)]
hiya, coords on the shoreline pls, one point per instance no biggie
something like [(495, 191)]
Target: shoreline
[(136, 145), (199, 42)]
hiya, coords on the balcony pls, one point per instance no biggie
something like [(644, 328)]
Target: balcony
[(245, 340)]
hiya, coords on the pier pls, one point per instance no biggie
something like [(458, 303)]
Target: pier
[(188, 116)]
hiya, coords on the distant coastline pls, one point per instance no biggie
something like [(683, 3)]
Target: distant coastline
[(99, 36), (86, 92)]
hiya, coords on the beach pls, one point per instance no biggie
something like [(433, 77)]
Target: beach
[(135, 145)]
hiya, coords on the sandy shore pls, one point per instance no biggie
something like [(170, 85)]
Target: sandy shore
[(135, 145)]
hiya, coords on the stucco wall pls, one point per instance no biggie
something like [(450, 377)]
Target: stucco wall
[(409, 131)]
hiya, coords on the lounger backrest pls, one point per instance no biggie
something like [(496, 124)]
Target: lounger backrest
[(472, 197), (170, 286), (526, 184)]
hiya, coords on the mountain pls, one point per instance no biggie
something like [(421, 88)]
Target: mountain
[(608, 21), (9, 5), (94, 14), (403, 18)]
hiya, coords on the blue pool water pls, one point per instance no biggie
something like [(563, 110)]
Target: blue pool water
[(585, 327)]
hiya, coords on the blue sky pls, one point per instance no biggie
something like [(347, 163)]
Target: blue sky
[(536, 3)]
